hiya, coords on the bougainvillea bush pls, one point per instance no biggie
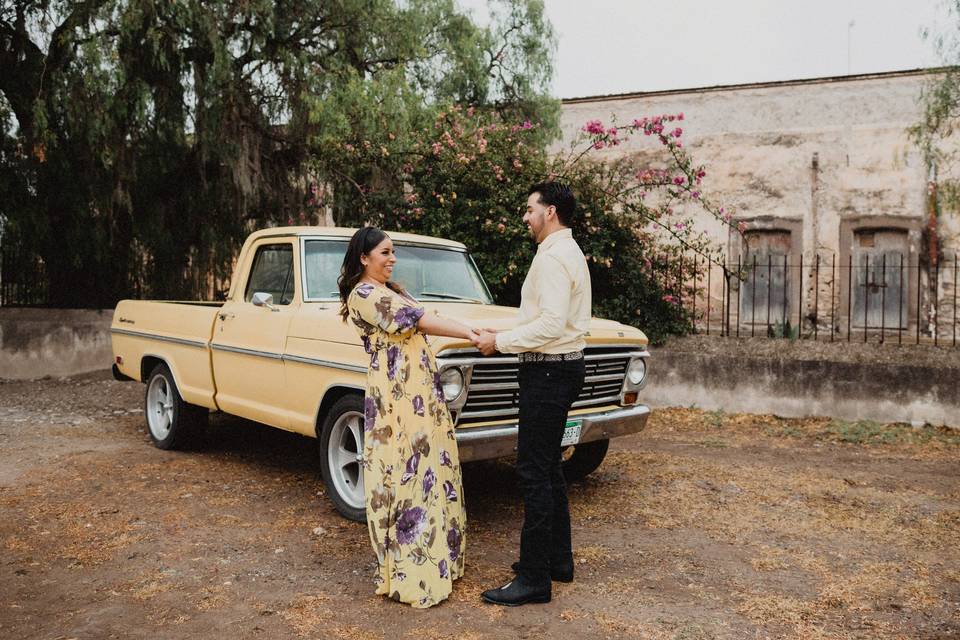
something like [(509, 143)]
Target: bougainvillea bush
[(466, 178)]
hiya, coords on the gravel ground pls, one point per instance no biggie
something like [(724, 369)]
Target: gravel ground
[(707, 525)]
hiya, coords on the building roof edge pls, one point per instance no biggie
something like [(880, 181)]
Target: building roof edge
[(757, 85)]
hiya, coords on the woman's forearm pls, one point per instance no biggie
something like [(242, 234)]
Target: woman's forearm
[(435, 325)]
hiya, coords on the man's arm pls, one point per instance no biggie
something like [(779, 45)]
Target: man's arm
[(553, 288)]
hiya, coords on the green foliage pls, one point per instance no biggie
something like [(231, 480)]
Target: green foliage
[(783, 330), (465, 176), (869, 433), (141, 141), (940, 101)]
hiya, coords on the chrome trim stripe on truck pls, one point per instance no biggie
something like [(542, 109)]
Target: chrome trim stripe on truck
[(246, 352), (325, 363), (150, 336), (289, 358)]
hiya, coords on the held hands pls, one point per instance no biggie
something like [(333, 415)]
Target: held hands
[(486, 341)]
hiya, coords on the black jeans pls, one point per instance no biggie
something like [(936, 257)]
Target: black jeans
[(547, 389)]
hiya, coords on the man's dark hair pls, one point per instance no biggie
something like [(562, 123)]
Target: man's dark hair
[(558, 195)]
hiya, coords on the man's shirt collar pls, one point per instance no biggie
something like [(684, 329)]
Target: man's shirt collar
[(554, 238)]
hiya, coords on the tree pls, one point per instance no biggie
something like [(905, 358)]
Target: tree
[(141, 141), (466, 177)]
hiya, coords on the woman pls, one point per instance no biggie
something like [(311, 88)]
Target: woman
[(411, 468)]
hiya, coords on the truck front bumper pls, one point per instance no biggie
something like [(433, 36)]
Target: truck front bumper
[(486, 443)]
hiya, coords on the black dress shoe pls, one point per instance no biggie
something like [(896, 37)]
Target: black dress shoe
[(516, 593), (563, 573)]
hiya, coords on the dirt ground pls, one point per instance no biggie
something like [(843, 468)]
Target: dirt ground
[(707, 525)]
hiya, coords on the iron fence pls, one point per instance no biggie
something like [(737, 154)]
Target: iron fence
[(883, 297), (23, 279)]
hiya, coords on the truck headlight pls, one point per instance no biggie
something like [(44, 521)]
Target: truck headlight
[(452, 382), (636, 371)]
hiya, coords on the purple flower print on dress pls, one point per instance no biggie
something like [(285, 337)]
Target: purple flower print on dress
[(453, 542), (449, 491), (437, 387), (425, 360), (407, 317), (413, 463), (364, 290), (410, 524), (369, 413), (367, 346), (442, 565), (429, 479), (393, 354), (445, 459), (418, 404), (375, 361)]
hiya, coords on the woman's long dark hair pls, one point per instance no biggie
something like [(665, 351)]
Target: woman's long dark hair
[(362, 243)]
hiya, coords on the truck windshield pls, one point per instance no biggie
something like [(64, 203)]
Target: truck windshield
[(428, 273)]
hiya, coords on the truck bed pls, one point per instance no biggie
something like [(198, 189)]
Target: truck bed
[(179, 333)]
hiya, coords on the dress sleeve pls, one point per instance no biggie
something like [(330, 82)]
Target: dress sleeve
[(380, 307)]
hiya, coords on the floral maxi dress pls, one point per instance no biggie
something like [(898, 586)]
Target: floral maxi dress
[(411, 468)]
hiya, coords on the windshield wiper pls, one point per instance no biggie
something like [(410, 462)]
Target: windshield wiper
[(449, 296)]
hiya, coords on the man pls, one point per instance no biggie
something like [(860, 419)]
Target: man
[(549, 341)]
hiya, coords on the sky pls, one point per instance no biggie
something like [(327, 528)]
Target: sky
[(623, 46)]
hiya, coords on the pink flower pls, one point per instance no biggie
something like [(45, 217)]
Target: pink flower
[(741, 226), (678, 180), (680, 226), (598, 144), (677, 132), (594, 127), (669, 298), (695, 195), (526, 125), (680, 116)]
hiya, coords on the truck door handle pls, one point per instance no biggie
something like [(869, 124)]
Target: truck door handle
[(225, 316)]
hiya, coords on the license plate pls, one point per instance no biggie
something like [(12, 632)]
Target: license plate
[(571, 433)]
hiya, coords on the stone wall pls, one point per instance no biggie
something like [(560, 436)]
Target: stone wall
[(53, 342), (881, 382), (823, 161)]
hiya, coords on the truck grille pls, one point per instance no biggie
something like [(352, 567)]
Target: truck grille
[(494, 391)]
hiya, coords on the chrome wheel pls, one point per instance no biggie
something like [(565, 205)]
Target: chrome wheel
[(159, 407), (344, 455)]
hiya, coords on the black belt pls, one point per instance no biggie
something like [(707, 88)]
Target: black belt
[(536, 356)]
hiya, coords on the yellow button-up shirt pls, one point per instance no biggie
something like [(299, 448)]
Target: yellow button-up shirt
[(554, 302)]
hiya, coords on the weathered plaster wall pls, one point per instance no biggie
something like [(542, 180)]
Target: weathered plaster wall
[(885, 383), (53, 342), (825, 153)]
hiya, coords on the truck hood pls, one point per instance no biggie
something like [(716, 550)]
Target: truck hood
[(502, 318)]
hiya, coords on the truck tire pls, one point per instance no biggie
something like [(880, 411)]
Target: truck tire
[(341, 446), (171, 422), (584, 459)]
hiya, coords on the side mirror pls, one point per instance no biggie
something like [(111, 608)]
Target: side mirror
[(261, 299)]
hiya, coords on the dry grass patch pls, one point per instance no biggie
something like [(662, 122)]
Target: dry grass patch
[(308, 614), (770, 559), (150, 587)]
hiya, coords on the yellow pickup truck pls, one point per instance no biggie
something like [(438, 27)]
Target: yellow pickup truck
[(277, 352)]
